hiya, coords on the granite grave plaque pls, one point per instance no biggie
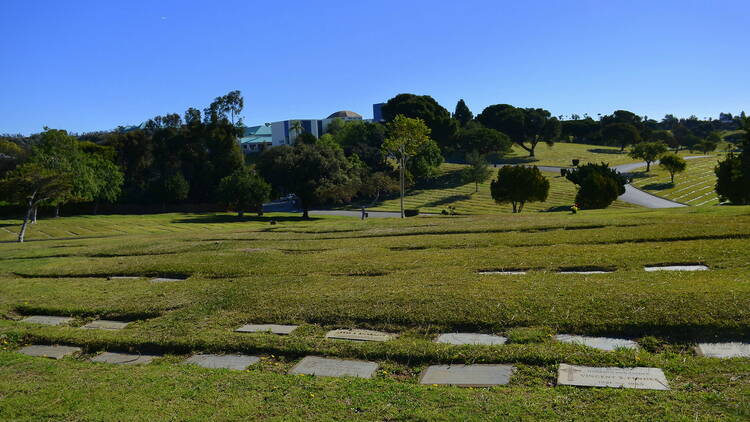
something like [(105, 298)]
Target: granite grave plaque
[(651, 268), (237, 362), (267, 328), (467, 375), (601, 343), (54, 352), (470, 338), (123, 358), (103, 324), (47, 320), (724, 350), (359, 335), (322, 367), (586, 376)]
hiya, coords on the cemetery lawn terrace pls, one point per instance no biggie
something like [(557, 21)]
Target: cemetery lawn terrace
[(416, 277)]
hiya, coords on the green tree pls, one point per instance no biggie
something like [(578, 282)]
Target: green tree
[(485, 141), (598, 185), (621, 134), (315, 173), (442, 127), (406, 138), (170, 189), (673, 164), (31, 184), (518, 185), (243, 190), (462, 114), (526, 127), (477, 171), (648, 152)]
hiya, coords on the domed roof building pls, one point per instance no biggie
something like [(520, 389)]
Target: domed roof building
[(345, 114)]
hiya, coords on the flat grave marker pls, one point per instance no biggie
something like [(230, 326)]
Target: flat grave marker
[(480, 375), (696, 267), (123, 358), (470, 338), (357, 334), (586, 376), (497, 272), (104, 324), (323, 367), (267, 328), (723, 350), (601, 343), (166, 280), (47, 320), (236, 362), (53, 352), (585, 272), (124, 277)]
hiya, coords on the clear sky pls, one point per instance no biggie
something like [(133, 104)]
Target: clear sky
[(94, 65)]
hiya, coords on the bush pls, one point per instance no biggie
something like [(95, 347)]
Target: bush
[(599, 185), (411, 213), (518, 185), (732, 183)]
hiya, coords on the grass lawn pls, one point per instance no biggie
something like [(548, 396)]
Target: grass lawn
[(448, 189), (562, 154), (416, 277), (695, 186)]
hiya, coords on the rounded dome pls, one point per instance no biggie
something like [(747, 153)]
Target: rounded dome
[(343, 114)]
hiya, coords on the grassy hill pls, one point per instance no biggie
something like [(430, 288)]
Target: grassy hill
[(693, 187), (416, 277)]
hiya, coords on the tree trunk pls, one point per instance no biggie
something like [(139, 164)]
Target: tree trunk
[(648, 166), (402, 182), (476, 187), (240, 213), (33, 215), (57, 211), (514, 207), (29, 209), (305, 214), (96, 207)]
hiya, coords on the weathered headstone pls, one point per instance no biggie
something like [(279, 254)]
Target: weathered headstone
[(651, 268), (47, 320), (103, 324), (586, 376), (470, 338), (237, 362), (723, 350), (467, 375), (322, 367), (123, 358), (267, 328), (601, 343), (165, 280), (359, 335), (54, 352)]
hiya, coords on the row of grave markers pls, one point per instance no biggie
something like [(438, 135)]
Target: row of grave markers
[(716, 350), (460, 375), (653, 268)]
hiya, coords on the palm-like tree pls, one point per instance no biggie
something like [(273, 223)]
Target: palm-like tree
[(297, 128)]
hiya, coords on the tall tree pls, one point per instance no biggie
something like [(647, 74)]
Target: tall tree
[(648, 152), (485, 141), (621, 134), (462, 114), (526, 127), (244, 191), (442, 127), (673, 163), (32, 184), (406, 138)]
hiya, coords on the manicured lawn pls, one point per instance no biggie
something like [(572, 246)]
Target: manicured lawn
[(695, 187), (416, 277), (562, 153)]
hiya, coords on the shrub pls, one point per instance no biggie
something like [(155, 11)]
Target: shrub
[(411, 213), (599, 185), (732, 183), (518, 185)]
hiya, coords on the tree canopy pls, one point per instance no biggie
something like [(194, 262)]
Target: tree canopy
[(648, 152), (462, 114), (673, 163), (518, 185), (442, 127), (598, 185), (526, 127)]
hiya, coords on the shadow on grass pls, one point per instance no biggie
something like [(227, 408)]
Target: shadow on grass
[(658, 186), (606, 151), (219, 218), (516, 160), (448, 200)]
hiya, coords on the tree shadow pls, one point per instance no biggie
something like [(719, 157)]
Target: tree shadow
[(658, 186), (515, 160), (639, 175), (219, 218), (559, 208), (606, 151), (448, 200)]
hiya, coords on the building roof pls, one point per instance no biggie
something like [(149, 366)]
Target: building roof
[(255, 139), (345, 114), (261, 130)]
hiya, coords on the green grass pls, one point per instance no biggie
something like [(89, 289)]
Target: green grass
[(417, 277), (562, 153), (695, 187), (449, 190)]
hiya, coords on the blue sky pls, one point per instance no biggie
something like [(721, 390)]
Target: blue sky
[(91, 65)]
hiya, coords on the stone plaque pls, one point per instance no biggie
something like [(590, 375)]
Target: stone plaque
[(601, 343), (123, 277), (267, 328), (123, 358), (322, 367), (491, 272), (470, 338), (585, 272), (47, 320), (103, 324), (586, 376), (165, 280), (54, 352), (723, 350), (467, 375), (360, 335), (238, 362), (675, 268)]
